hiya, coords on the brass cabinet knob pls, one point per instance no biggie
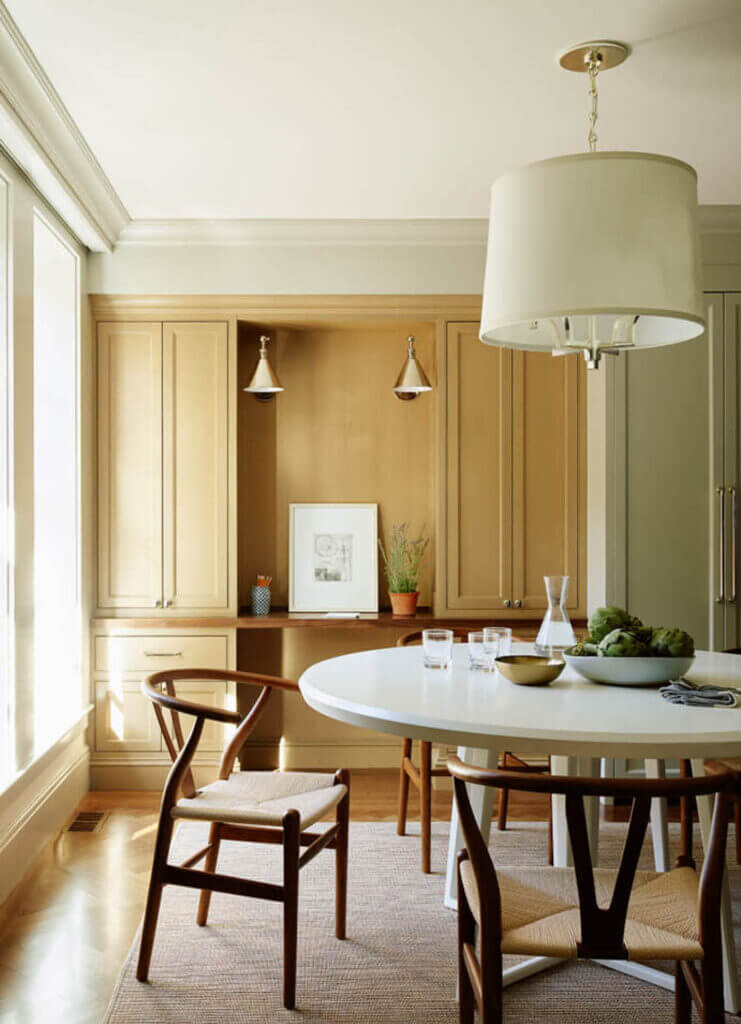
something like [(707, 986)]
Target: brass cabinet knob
[(157, 604), (507, 603), (518, 603)]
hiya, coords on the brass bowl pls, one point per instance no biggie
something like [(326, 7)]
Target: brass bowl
[(529, 669)]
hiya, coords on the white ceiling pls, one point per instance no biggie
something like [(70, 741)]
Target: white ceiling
[(377, 108)]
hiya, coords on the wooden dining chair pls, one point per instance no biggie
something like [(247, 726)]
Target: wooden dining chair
[(422, 777), (729, 764), (583, 913), (243, 806)]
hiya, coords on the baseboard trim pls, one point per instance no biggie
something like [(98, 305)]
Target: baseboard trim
[(41, 820)]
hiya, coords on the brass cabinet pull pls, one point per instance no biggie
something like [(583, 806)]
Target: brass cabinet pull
[(720, 491), (518, 603), (507, 603), (163, 654), (734, 527), (157, 604)]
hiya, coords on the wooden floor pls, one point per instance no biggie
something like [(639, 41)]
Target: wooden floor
[(67, 930)]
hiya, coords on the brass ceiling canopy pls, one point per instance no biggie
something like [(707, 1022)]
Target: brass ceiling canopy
[(604, 53)]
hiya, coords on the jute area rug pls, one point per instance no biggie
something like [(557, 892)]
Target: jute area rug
[(397, 965)]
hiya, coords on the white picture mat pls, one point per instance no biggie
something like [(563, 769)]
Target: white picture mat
[(348, 535)]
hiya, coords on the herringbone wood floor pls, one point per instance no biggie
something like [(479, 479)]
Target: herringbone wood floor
[(68, 927)]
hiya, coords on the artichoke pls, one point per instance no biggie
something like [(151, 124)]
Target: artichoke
[(621, 643), (605, 620), (583, 649), (671, 643)]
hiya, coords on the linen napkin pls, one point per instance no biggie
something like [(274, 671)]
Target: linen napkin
[(682, 691)]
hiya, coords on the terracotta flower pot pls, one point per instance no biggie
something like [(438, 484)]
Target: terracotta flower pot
[(404, 604)]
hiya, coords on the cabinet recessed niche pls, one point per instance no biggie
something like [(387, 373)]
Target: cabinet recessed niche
[(337, 433)]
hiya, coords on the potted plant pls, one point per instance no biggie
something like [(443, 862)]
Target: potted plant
[(402, 563)]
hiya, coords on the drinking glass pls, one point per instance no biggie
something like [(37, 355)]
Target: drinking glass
[(438, 647), (497, 642), (477, 655)]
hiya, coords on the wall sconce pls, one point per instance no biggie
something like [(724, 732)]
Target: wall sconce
[(412, 380), (264, 384)]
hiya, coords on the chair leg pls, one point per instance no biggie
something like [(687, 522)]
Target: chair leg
[(737, 825), (502, 812), (291, 848), (682, 997), (154, 896), (466, 934), (214, 838), (491, 983), (343, 820), (712, 989), (401, 824), (425, 801)]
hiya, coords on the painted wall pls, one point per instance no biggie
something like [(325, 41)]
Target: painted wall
[(288, 269)]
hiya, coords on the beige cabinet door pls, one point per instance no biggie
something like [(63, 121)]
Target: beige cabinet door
[(195, 466), (129, 465), (548, 454), (214, 695), (479, 471), (124, 718)]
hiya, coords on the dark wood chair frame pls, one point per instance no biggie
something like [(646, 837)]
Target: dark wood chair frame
[(421, 777), (160, 689), (602, 928)]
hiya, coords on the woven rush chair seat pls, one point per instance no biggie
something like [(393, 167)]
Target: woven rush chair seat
[(262, 798), (540, 911)]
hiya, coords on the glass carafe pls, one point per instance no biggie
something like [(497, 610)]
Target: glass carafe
[(555, 633)]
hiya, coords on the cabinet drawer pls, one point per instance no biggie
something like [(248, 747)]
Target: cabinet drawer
[(152, 653)]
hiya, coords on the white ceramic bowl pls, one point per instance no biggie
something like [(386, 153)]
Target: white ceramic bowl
[(629, 671)]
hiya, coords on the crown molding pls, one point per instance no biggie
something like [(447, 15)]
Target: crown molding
[(289, 310), (453, 232), (39, 134), (286, 232)]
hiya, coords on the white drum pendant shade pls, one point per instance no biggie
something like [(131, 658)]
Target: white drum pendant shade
[(593, 247)]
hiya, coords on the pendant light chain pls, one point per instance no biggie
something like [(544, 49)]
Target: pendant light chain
[(593, 64)]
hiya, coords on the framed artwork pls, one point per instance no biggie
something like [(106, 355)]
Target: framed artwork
[(333, 558)]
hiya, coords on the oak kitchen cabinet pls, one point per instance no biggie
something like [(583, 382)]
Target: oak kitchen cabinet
[(514, 431), (163, 467), (128, 750)]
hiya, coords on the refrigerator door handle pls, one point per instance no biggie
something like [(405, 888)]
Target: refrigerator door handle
[(721, 492), (734, 546)]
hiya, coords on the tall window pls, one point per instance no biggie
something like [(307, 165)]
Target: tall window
[(7, 758), (57, 616)]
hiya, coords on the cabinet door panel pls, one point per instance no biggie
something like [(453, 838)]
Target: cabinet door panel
[(548, 471), (129, 465), (214, 695), (124, 718), (195, 438), (479, 471)]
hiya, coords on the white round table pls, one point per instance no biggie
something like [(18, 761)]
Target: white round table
[(575, 721)]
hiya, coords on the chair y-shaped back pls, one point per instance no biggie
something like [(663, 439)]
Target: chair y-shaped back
[(601, 929)]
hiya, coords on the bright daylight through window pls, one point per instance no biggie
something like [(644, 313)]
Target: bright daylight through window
[(57, 624)]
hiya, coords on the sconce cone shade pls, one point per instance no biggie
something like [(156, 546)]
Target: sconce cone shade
[(610, 236), (412, 380), (264, 382)]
